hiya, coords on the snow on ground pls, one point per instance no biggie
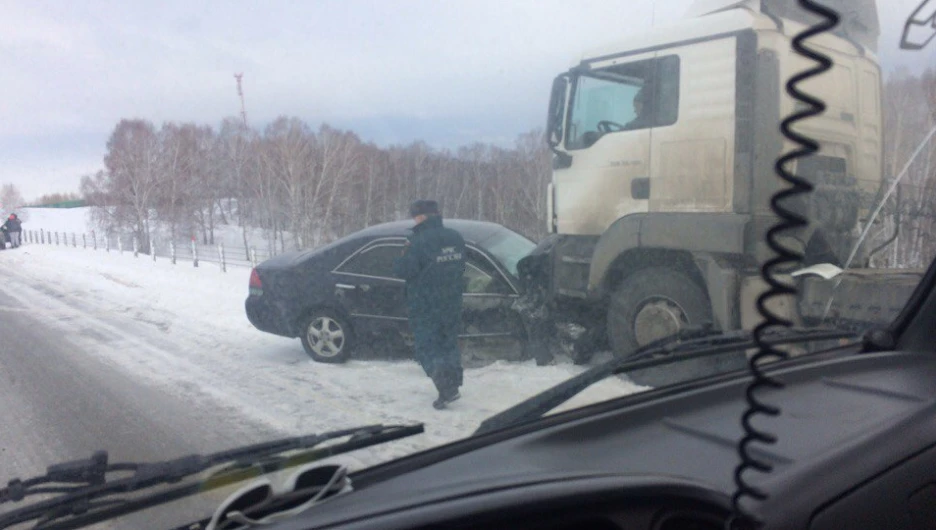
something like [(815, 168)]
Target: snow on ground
[(184, 329), (77, 220)]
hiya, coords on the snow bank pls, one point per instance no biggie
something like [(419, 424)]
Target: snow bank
[(77, 220), (184, 328)]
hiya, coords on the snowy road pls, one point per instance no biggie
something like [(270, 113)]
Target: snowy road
[(59, 403), (180, 332)]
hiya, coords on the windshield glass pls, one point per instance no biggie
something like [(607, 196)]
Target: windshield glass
[(637, 95), (509, 248), (222, 225), (598, 100)]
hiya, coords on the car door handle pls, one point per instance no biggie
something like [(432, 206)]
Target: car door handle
[(365, 287), (345, 286)]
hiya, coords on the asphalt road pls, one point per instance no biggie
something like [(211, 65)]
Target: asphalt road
[(58, 402)]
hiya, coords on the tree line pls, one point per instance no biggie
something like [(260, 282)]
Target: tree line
[(55, 198), (303, 186), (11, 201), (909, 109)]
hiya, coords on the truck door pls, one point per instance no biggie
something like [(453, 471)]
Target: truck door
[(607, 134), (692, 149)]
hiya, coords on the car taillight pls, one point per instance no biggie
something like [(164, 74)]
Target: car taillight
[(255, 282)]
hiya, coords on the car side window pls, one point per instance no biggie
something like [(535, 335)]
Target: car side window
[(482, 278), (375, 261)]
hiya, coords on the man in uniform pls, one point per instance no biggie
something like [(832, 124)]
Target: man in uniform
[(433, 265)]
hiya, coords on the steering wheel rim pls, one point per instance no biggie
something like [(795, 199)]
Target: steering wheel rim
[(607, 126)]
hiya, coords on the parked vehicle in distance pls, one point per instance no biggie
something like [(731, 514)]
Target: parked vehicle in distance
[(344, 294)]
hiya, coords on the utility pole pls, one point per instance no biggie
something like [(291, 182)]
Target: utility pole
[(240, 93)]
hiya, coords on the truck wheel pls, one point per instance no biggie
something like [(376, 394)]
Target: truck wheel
[(327, 337), (652, 304)]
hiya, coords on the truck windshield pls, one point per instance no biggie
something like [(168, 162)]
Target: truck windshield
[(599, 101), (624, 97)]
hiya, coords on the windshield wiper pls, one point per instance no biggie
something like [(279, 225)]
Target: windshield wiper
[(690, 344), (87, 496)]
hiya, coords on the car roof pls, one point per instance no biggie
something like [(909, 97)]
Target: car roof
[(472, 231)]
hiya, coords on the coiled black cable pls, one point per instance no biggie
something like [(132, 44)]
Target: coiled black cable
[(789, 221)]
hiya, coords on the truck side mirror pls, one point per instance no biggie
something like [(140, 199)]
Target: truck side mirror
[(556, 107)]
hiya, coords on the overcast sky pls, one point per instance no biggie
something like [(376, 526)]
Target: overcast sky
[(450, 72)]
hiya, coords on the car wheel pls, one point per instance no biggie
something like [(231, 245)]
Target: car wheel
[(652, 304), (327, 337)]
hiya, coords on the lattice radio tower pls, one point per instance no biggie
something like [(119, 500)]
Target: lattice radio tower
[(240, 93)]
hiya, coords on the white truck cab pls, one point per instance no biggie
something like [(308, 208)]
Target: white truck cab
[(665, 145)]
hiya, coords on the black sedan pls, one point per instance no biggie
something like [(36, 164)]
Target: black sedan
[(344, 294)]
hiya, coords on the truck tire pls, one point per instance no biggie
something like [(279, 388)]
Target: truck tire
[(652, 304)]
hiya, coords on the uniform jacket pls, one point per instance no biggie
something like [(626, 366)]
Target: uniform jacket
[(433, 265)]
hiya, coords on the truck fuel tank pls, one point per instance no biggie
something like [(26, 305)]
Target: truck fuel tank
[(855, 298)]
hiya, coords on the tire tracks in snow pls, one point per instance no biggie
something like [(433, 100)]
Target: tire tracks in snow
[(207, 350), (116, 343), (168, 356)]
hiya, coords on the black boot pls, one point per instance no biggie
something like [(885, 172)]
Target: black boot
[(447, 386), (445, 398)]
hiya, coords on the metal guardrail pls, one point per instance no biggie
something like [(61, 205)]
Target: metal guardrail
[(194, 253)]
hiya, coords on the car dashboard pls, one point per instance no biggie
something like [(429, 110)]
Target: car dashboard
[(855, 443), (598, 502)]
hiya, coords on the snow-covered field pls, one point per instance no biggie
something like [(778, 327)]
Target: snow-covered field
[(78, 221), (74, 226), (57, 219), (184, 329)]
